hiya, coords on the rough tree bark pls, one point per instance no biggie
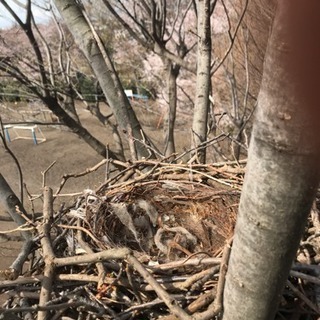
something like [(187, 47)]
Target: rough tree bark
[(283, 168), (72, 13), (202, 103)]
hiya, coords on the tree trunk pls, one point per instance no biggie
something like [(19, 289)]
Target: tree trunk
[(101, 64), (202, 103), (9, 203), (173, 72), (283, 167)]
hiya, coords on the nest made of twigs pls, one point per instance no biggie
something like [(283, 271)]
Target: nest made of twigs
[(174, 218), (146, 244)]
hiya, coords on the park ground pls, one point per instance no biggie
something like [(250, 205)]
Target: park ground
[(71, 155)]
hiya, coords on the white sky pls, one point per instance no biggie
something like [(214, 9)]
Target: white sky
[(6, 20)]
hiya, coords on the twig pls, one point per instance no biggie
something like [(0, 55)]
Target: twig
[(167, 299), (74, 194), (199, 276), (79, 228), (80, 174), (133, 285), (48, 254), (2, 136), (184, 263), (84, 278), (231, 37), (23, 294), (107, 169), (202, 301), (207, 176), (216, 307), (140, 178), (305, 277), (21, 229), (141, 306), (111, 254), (24, 216), (101, 269), (72, 303), (16, 266), (131, 142), (303, 297), (202, 145), (127, 168), (44, 173)]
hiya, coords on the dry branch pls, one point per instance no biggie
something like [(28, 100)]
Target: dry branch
[(101, 256), (48, 254)]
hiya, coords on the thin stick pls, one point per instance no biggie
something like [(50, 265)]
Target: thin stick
[(2, 136), (16, 266), (184, 263), (101, 269), (48, 254), (80, 174), (79, 228), (167, 299), (305, 277), (44, 173), (61, 277), (216, 307), (303, 297), (70, 304), (111, 254)]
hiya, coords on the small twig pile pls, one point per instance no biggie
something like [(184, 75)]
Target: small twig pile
[(152, 241)]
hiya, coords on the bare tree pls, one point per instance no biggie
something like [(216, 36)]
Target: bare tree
[(40, 81), (238, 54), (240, 110), (160, 27), (93, 48), (283, 169), (202, 104)]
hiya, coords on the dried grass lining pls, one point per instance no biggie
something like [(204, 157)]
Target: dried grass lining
[(151, 242)]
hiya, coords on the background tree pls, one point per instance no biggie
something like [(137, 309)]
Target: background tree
[(160, 27), (202, 102), (283, 172), (93, 48), (238, 54), (40, 80), (232, 91)]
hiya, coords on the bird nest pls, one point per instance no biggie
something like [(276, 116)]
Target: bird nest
[(151, 242), (166, 219)]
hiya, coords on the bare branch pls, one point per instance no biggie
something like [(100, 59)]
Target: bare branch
[(232, 37)]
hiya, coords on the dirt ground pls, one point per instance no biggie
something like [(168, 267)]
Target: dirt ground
[(71, 154)]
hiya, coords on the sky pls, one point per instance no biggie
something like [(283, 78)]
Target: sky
[(6, 20)]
